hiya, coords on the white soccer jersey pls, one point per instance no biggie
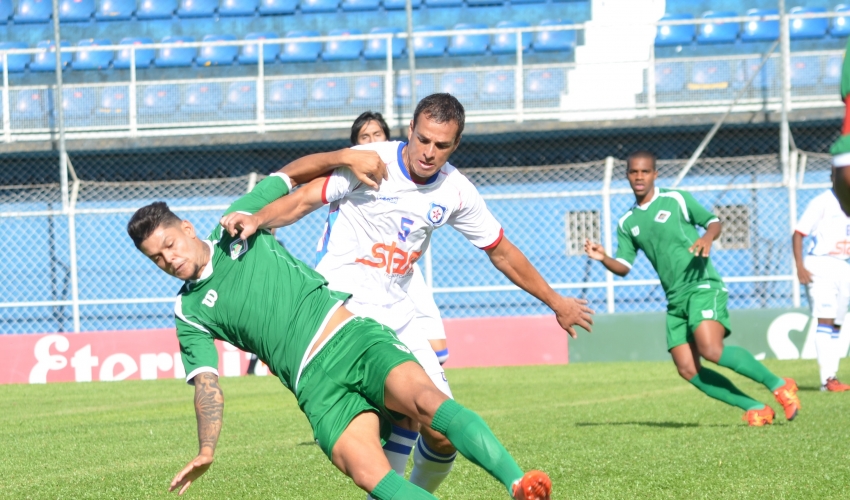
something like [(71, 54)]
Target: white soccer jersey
[(828, 225), (373, 238)]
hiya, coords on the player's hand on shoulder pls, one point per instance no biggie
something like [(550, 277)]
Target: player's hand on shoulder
[(594, 250), (571, 312), (236, 223), (701, 247), (367, 166)]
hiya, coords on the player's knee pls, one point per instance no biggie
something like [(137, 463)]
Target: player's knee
[(711, 352), (687, 372), (436, 441)]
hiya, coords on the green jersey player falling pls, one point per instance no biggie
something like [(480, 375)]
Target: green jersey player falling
[(663, 223), (351, 376)]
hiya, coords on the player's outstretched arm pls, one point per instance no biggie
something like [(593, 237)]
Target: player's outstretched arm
[(279, 213), (209, 407), (515, 265), (366, 165), (803, 274), (597, 252)]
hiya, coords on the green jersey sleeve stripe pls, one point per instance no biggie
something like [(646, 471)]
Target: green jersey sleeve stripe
[(624, 262), (681, 200), (190, 378), (623, 219), (178, 311)]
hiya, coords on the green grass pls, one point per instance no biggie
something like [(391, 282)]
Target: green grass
[(601, 430)]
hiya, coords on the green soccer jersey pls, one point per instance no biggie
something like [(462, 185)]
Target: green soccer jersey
[(665, 228), (254, 295)]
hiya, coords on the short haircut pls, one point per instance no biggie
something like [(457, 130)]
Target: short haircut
[(642, 155), (442, 108), (147, 219), (365, 118)]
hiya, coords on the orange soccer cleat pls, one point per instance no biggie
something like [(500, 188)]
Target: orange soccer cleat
[(534, 485), (834, 385), (787, 397), (759, 418)]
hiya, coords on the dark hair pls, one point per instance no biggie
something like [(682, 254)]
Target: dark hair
[(643, 155), (442, 108), (147, 219), (361, 122)]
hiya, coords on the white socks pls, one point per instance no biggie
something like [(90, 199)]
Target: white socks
[(829, 355), (429, 467)]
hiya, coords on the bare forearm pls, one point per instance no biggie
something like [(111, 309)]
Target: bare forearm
[(517, 268), (713, 230), (615, 266), (309, 167), (797, 247), (209, 408)]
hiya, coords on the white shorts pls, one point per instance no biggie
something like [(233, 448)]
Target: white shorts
[(829, 292), (428, 321), (409, 333)]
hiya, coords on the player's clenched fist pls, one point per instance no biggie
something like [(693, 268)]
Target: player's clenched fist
[(367, 166), (245, 225)]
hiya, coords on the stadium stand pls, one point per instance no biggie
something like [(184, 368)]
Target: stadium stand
[(554, 41), (46, 60), (360, 5), (197, 8), (176, 56), (443, 3), (277, 7), (841, 25), (92, 59), (285, 95), (115, 100), (162, 99), (424, 86), (469, 45), (708, 75), (218, 55), (78, 104), (144, 57), (33, 11), (805, 71), (300, 51), (497, 86), (461, 84), (718, 32), (832, 71), (368, 92), (241, 96), (676, 34), (75, 10), (115, 10), (318, 6), (505, 43), (377, 48), (237, 7), (342, 50), (766, 78), (544, 84), (669, 77), (431, 45), (400, 4), (17, 62), (156, 9), (808, 28), (6, 10), (249, 54), (328, 93), (760, 30), (30, 103), (202, 98)]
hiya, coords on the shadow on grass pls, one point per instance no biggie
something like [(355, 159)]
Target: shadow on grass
[(663, 425), (815, 388), (305, 443)]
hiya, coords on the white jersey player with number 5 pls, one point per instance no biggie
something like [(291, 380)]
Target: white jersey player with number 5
[(374, 237)]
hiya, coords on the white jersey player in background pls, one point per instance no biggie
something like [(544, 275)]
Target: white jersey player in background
[(374, 237), (826, 273), (369, 128)]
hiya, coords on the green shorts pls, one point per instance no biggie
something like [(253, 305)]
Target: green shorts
[(346, 378), (686, 314)]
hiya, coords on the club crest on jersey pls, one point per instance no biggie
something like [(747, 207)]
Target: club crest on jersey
[(662, 216), (436, 214), (635, 231), (237, 248)]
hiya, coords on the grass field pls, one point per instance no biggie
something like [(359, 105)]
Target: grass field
[(601, 430)]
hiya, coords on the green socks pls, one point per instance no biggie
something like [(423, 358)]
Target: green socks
[(394, 487), (740, 360), (719, 387), (475, 441)]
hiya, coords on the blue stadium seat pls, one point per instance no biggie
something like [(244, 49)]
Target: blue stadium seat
[(176, 56), (343, 50), (377, 48), (17, 62), (670, 77), (424, 86), (758, 30), (277, 7), (765, 79), (46, 61), (34, 11), (360, 5), (115, 100), (718, 32), (313, 6), (156, 9), (498, 86), (443, 3), (75, 10), (400, 4), (144, 57), (832, 73), (241, 96), (513, 2), (218, 55), (805, 71), (554, 41), (505, 43), (92, 59), (678, 34), (329, 93), (544, 84), (461, 84), (197, 8), (238, 7), (707, 75), (808, 28), (429, 46), (250, 52), (30, 103), (368, 92), (469, 45), (7, 8), (285, 94), (841, 25), (159, 99), (300, 51), (78, 102), (115, 10), (477, 3), (202, 98)]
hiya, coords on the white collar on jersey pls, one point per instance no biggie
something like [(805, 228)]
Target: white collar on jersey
[(400, 160), (208, 269), (648, 203)]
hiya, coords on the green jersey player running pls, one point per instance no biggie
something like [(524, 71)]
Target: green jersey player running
[(663, 223), (351, 376)]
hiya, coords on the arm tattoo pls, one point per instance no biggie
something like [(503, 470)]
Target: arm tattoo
[(209, 406)]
